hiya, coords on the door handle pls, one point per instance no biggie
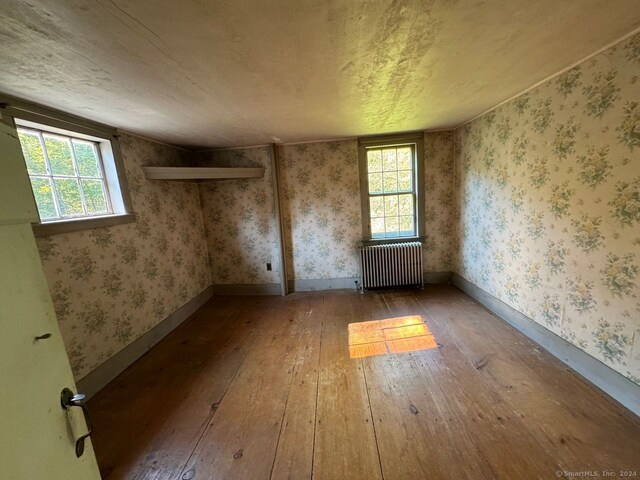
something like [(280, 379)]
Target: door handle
[(68, 400)]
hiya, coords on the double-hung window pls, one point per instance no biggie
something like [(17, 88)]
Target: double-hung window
[(74, 166), (391, 188)]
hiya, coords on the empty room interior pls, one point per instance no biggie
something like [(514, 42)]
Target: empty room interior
[(392, 239)]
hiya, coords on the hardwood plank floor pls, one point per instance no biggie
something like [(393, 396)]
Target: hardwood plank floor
[(345, 445), (266, 387)]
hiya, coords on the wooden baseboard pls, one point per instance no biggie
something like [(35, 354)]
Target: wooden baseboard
[(307, 285), (247, 289), (313, 284), (612, 383), (437, 277), (115, 365), (304, 285)]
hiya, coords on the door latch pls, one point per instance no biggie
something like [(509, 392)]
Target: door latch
[(68, 400)]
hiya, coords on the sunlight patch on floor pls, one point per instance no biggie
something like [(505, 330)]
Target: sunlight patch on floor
[(391, 335)]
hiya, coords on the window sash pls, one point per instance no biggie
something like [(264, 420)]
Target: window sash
[(393, 193), (413, 216), (76, 176)]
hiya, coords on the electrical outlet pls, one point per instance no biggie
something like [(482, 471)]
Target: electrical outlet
[(269, 267)]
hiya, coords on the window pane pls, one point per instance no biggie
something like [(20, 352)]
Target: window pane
[(390, 182), (94, 196), (43, 194), (374, 161), (406, 226), (389, 159), (377, 227), (404, 158), (86, 158), (69, 196), (406, 204), (376, 207), (375, 183), (392, 226), (391, 205), (404, 180), (59, 155), (32, 151)]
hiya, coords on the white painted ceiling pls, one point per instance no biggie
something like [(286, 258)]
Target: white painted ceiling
[(235, 72)]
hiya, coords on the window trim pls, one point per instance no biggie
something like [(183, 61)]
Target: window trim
[(18, 112), (416, 139)]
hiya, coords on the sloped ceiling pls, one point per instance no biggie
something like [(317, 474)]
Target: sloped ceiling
[(236, 72)]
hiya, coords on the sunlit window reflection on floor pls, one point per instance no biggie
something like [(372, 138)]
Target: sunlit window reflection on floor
[(391, 335)]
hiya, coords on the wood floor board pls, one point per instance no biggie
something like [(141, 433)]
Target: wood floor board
[(294, 453), (241, 440), (539, 389), (337, 385), (345, 444), (122, 459), (203, 395), (522, 349), (518, 348), (475, 412), (163, 403), (413, 416)]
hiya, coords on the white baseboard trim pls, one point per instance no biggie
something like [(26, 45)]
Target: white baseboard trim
[(313, 284), (116, 364), (247, 289), (615, 385)]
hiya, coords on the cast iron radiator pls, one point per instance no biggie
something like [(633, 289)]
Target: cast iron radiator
[(391, 265)]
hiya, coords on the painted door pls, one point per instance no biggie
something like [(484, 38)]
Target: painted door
[(37, 435)]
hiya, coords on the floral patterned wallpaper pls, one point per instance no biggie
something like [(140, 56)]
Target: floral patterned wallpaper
[(239, 218), (321, 200), (321, 203), (439, 246), (111, 285), (548, 190)]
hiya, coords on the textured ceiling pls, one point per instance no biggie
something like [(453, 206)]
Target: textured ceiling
[(234, 72)]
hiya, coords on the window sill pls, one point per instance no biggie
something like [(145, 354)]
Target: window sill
[(388, 241), (77, 225)]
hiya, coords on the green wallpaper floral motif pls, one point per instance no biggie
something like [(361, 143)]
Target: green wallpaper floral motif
[(439, 200), (548, 200), (321, 204), (321, 201), (321, 190), (239, 218), (111, 285)]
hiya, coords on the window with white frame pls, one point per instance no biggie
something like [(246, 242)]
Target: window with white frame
[(70, 176), (392, 188)]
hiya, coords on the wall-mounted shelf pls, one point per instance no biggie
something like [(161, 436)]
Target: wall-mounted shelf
[(186, 174)]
